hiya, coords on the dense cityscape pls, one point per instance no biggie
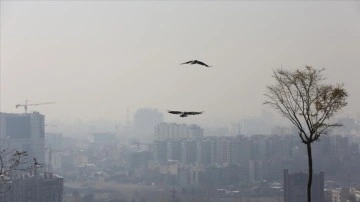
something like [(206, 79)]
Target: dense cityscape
[(179, 162)]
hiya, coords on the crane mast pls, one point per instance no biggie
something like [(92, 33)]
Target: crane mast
[(32, 104)]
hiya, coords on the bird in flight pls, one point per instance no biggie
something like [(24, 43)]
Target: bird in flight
[(192, 62), (18, 153), (184, 114), (37, 164)]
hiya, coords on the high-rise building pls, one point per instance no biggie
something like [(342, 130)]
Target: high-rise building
[(24, 132), (295, 187)]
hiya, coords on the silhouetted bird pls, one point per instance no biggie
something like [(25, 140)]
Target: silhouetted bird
[(184, 114), (192, 62), (37, 164), (23, 153)]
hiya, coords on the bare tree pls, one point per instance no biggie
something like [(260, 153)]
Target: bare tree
[(301, 97), (10, 161)]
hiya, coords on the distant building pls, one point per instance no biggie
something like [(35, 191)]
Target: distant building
[(203, 152), (53, 148), (189, 174), (160, 150), (341, 146), (40, 188), (188, 151), (220, 175), (295, 187), (174, 150), (233, 151), (54, 141), (104, 139), (146, 119), (24, 132), (164, 131), (137, 159), (256, 172), (332, 195), (244, 153)]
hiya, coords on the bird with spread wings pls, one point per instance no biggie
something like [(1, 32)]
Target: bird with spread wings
[(184, 114), (192, 62)]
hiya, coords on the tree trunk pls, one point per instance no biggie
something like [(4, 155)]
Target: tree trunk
[(310, 172)]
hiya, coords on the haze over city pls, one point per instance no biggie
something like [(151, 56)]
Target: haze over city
[(97, 59), (179, 101)]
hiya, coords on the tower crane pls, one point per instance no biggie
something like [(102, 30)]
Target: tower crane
[(32, 104)]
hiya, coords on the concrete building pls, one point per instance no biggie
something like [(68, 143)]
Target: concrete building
[(24, 132), (295, 187), (29, 188)]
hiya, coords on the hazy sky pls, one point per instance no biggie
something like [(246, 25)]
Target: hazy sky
[(96, 59)]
